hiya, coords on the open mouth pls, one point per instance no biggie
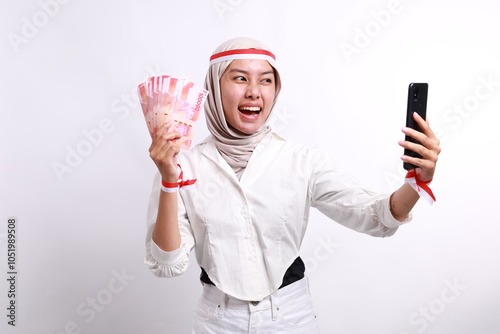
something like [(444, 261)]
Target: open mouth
[(250, 111)]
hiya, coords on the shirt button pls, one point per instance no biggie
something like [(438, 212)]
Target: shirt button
[(255, 303)]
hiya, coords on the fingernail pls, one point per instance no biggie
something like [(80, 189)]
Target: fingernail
[(405, 129)]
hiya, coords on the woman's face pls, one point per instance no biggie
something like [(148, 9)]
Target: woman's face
[(247, 90)]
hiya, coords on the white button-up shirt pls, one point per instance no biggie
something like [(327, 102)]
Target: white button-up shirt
[(247, 232)]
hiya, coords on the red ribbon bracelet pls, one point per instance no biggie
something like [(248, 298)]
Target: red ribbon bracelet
[(421, 187), (170, 187)]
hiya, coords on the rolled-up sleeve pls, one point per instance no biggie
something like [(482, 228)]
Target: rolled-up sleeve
[(160, 262), (342, 199)]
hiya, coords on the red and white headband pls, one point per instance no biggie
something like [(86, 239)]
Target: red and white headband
[(243, 54)]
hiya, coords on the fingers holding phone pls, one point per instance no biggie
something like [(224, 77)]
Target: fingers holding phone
[(425, 148)]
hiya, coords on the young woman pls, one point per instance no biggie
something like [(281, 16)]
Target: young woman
[(241, 199)]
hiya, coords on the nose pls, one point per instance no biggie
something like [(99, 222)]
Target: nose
[(253, 91)]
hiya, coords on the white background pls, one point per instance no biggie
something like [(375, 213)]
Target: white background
[(69, 71)]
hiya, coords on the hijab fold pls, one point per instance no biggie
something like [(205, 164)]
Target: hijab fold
[(234, 146)]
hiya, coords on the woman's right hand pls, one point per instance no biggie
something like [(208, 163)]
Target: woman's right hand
[(164, 150)]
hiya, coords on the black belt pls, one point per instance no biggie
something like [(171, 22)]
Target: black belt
[(294, 273)]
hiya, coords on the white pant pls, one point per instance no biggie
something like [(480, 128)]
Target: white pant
[(288, 310)]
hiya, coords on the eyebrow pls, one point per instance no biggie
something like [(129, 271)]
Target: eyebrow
[(246, 72)]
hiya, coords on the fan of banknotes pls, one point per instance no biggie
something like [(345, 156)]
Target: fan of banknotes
[(168, 99)]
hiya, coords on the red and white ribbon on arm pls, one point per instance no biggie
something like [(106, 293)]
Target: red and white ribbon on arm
[(421, 187), (182, 182), (172, 187)]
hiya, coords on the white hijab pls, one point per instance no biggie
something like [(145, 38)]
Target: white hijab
[(234, 146)]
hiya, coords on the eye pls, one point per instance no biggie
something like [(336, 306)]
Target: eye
[(267, 80), (239, 78)]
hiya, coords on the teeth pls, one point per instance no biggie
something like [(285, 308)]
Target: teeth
[(250, 109)]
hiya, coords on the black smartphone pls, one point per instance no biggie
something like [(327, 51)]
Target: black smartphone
[(417, 102)]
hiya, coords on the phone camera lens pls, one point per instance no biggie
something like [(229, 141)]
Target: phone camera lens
[(416, 93)]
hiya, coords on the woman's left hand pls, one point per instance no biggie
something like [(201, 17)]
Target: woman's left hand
[(429, 149)]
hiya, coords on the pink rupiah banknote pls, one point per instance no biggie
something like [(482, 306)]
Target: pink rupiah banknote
[(168, 99)]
